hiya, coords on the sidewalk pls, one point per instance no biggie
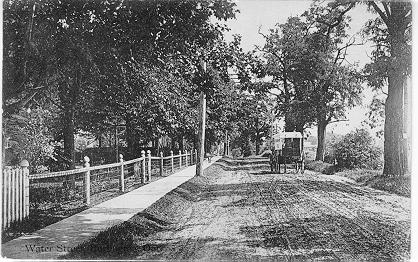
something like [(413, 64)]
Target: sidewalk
[(55, 240)]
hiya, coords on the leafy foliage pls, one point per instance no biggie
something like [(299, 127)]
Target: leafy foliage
[(30, 136), (332, 140), (376, 114), (358, 150), (101, 63)]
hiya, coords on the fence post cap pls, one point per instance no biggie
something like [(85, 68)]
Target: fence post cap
[(161, 154), (148, 152), (171, 151), (24, 163), (142, 152), (121, 157), (86, 159)]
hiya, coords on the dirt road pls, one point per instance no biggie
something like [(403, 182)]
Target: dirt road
[(242, 212)]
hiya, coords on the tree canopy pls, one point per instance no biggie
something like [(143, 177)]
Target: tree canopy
[(90, 66), (110, 62), (305, 59)]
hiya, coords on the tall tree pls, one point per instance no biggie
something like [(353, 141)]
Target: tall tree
[(391, 65), (283, 50), (305, 56), (336, 86)]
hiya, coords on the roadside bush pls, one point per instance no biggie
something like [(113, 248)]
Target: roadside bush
[(332, 140), (321, 167), (358, 150), (236, 152)]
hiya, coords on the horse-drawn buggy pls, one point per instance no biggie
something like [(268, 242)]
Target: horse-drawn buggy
[(287, 148)]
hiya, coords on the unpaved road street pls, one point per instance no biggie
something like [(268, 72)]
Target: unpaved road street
[(242, 212)]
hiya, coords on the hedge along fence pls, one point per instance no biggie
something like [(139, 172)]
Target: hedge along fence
[(79, 186)]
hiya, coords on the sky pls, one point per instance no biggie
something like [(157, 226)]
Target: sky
[(263, 15)]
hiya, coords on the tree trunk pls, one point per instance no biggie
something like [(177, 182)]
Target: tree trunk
[(395, 159), (257, 137), (226, 143), (158, 148), (181, 143), (257, 142), (69, 130), (129, 140), (320, 150), (395, 146), (288, 123), (100, 138)]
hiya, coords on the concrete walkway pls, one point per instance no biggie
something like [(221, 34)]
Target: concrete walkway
[(55, 240)]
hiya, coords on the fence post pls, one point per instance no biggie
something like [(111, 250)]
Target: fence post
[(9, 195), (172, 161), (24, 188), (143, 167), (87, 181), (122, 175), (180, 159), (185, 152), (4, 198), (149, 164), (13, 188), (19, 195), (161, 163), (135, 167), (25, 164)]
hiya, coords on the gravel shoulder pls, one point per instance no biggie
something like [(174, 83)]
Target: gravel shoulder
[(239, 211)]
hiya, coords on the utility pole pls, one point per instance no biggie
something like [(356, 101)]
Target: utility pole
[(226, 143), (201, 134), (116, 143), (201, 131)]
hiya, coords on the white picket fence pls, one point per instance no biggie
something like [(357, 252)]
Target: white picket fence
[(15, 194), (87, 180)]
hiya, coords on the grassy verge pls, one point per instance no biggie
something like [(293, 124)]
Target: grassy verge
[(321, 167), (372, 178), (124, 241)]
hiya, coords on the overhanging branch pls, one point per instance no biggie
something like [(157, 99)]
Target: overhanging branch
[(380, 12)]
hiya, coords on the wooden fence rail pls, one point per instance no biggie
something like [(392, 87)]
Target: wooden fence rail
[(17, 181), (15, 194)]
